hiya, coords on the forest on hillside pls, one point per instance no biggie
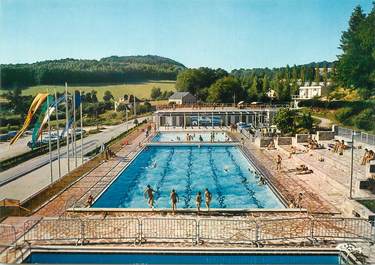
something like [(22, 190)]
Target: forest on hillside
[(114, 69)]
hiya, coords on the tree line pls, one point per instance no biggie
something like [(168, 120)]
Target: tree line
[(260, 84), (113, 69)]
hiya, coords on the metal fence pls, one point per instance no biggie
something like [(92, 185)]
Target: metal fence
[(361, 137), (208, 230), (227, 230), (7, 235)]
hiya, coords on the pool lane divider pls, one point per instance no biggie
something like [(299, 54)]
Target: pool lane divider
[(164, 174), (248, 187), (220, 196), (273, 188), (136, 153)]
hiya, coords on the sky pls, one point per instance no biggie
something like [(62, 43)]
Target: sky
[(228, 34)]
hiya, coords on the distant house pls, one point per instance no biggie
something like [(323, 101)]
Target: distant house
[(182, 98), (309, 92), (128, 100)]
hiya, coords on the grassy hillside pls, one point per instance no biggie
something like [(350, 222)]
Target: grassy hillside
[(140, 90)]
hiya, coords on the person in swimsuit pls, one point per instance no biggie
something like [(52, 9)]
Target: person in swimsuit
[(208, 197), (198, 201), (174, 200), (149, 192)]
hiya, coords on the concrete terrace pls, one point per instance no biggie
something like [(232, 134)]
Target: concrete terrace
[(317, 223)]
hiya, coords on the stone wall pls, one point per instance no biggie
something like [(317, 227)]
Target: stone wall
[(263, 141), (325, 135), (284, 140), (302, 138)]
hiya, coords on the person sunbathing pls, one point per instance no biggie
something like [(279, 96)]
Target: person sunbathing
[(300, 168), (271, 145), (364, 158), (305, 171), (370, 156)]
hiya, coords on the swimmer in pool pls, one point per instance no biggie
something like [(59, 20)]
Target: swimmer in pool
[(154, 165), (226, 169)]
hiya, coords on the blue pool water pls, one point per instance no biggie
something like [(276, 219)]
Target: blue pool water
[(188, 169), (182, 137), (124, 258)]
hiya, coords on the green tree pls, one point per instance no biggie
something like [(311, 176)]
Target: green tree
[(303, 75), (325, 75), (224, 89), (155, 92), (306, 122), (265, 88), (108, 96), (356, 64), (285, 120), (18, 103), (317, 75), (253, 90)]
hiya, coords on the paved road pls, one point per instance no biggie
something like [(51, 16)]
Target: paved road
[(90, 143), (20, 147), (324, 122)]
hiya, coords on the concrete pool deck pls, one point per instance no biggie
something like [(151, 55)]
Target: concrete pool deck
[(319, 198)]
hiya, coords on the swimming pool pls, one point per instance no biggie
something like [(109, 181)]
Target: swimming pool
[(224, 170), (195, 137), (170, 258)]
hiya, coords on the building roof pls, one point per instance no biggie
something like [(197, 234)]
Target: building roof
[(179, 95)]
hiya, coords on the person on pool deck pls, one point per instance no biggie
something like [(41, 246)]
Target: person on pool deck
[(198, 201), (174, 200), (278, 162), (90, 200), (208, 197), (150, 194), (200, 138)]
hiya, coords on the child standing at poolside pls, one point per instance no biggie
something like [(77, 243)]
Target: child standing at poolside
[(208, 197), (174, 200), (198, 201)]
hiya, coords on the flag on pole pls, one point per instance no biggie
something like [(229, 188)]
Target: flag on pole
[(38, 100), (38, 124)]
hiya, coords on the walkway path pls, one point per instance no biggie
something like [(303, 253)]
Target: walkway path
[(35, 178)]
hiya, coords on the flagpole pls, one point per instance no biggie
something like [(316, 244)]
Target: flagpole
[(58, 135), (67, 122), (74, 129), (80, 112), (49, 139)]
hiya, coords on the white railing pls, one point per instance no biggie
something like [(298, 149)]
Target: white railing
[(362, 137)]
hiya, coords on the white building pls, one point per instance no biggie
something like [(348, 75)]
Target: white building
[(309, 92), (182, 98)]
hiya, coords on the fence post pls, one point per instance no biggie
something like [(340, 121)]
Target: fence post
[(312, 227), (140, 228), (82, 231), (197, 230)]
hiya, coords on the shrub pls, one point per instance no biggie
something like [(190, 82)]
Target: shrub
[(365, 120), (343, 115)]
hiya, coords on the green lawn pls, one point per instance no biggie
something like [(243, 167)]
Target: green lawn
[(141, 90)]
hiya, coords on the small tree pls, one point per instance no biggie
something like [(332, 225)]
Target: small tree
[(306, 122), (285, 120), (108, 96), (155, 92)]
